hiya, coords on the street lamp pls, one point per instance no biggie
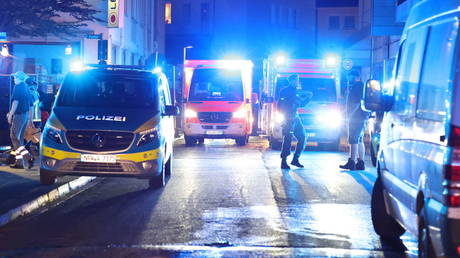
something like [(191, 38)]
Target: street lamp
[(185, 52)]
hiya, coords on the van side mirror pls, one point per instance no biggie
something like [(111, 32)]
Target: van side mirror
[(254, 98), (171, 111), (374, 99)]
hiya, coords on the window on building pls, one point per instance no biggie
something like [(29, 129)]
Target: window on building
[(29, 65), (126, 7), (434, 97), (56, 66), (349, 23), (168, 13), (114, 55), (133, 57), (186, 13), (123, 58), (334, 22), (204, 14), (273, 13)]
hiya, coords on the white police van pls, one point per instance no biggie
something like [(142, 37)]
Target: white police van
[(418, 184), (110, 121)]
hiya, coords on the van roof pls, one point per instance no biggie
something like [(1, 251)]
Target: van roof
[(431, 8)]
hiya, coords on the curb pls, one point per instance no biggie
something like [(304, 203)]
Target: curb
[(44, 199)]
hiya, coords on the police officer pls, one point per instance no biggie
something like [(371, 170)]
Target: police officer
[(288, 103), (19, 117), (356, 122)]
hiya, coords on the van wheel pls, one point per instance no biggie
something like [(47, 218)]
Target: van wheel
[(425, 248), (189, 141), (46, 178), (200, 140), (158, 181), (373, 154), (242, 141), (169, 165), (384, 225), (275, 145)]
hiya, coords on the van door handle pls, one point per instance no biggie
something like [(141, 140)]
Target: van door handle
[(442, 138), (392, 125)]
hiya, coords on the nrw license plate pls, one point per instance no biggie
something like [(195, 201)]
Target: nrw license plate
[(214, 132), (98, 158)]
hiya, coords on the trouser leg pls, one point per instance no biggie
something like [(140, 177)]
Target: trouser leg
[(300, 135), (287, 139), (17, 131)]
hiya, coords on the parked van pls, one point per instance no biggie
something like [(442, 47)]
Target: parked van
[(322, 117), (218, 100), (110, 121), (418, 164)]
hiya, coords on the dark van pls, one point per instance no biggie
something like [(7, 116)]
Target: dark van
[(110, 121), (418, 164)]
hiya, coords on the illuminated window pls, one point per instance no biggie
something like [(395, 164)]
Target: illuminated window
[(168, 18)]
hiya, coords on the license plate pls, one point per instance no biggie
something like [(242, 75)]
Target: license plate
[(98, 158), (312, 144), (214, 132)]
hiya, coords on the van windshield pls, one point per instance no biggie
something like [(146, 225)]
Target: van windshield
[(108, 90), (216, 85), (323, 89)]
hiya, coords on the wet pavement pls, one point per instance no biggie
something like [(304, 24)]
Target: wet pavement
[(221, 201)]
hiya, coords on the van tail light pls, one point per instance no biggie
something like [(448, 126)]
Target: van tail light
[(452, 169)]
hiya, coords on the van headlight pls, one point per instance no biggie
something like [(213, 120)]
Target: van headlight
[(329, 118), (53, 133), (240, 113), (147, 136), (279, 117), (190, 113)]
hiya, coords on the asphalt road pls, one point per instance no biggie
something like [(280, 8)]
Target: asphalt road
[(221, 201)]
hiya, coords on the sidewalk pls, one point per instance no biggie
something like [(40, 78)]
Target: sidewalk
[(21, 191)]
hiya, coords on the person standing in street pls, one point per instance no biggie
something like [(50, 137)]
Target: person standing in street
[(19, 117), (357, 119), (288, 103)]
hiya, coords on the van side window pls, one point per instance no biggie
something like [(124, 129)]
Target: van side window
[(408, 76), (434, 94), (161, 91)]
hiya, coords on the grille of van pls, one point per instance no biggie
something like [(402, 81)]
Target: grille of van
[(99, 140), (214, 117)]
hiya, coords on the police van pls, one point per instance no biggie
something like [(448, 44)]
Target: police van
[(418, 164), (110, 121)]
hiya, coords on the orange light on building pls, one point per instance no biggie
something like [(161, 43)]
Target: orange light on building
[(168, 16)]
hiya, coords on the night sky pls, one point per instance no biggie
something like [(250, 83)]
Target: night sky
[(336, 3)]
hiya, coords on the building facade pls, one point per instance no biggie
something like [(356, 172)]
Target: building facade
[(247, 28), (138, 39), (379, 36)]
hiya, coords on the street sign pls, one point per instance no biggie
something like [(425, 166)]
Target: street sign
[(2, 36), (112, 13), (347, 64), (94, 36)]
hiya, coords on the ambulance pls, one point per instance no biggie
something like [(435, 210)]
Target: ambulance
[(322, 117), (218, 100)]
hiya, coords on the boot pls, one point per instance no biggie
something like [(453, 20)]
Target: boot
[(360, 165), (349, 165), (17, 164), (295, 162), (30, 162), (284, 164)]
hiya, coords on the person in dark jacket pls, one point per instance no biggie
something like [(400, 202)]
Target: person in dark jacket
[(288, 103), (357, 119), (19, 117)]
